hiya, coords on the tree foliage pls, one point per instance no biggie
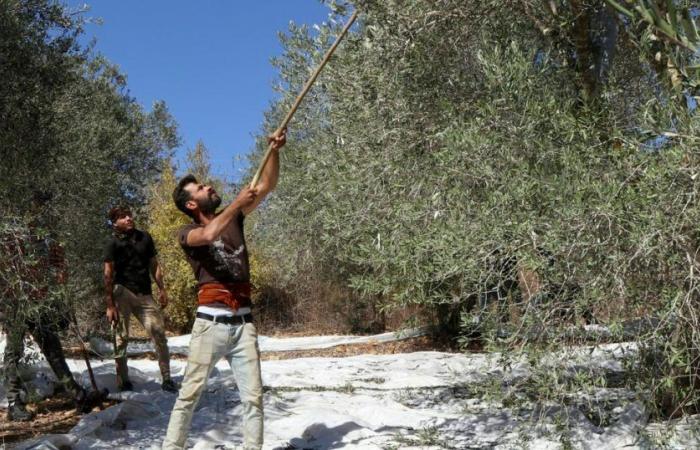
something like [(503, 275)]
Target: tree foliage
[(455, 153), (668, 32), (69, 128), (164, 220)]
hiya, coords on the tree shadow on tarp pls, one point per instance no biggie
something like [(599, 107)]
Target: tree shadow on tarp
[(318, 436)]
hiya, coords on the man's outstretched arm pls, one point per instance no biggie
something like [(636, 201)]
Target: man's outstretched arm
[(270, 175)]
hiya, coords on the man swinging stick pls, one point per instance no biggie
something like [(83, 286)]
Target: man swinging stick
[(214, 245)]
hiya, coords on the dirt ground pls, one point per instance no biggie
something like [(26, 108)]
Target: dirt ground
[(58, 415), (53, 415)]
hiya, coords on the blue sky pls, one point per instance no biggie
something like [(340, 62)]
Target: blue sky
[(209, 60)]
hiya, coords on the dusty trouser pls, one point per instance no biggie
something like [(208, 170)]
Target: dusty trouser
[(210, 342), (148, 313), (43, 330)]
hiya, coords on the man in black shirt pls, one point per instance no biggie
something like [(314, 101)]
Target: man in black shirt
[(130, 259)]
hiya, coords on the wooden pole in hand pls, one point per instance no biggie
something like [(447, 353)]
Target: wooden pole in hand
[(301, 96)]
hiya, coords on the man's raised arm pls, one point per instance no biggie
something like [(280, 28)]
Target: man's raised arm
[(271, 172)]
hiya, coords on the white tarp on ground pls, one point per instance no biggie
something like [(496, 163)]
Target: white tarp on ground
[(179, 345), (421, 400)]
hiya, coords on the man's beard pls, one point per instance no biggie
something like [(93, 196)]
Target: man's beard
[(210, 205)]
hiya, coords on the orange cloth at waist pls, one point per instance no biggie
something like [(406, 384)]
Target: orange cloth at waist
[(235, 295)]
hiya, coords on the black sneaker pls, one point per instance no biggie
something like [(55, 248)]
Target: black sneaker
[(18, 412), (126, 386), (170, 386)]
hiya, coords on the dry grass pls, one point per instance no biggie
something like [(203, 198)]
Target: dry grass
[(314, 307), (418, 344)]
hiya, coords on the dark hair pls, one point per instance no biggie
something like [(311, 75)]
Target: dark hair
[(181, 196), (118, 212)]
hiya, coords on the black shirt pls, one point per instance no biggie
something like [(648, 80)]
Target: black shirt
[(131, 254)]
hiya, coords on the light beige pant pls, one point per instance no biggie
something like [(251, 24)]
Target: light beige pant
[(211, 341), (148, 313)]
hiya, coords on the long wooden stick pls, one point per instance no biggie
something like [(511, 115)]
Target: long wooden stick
[(83, 350), (301, 96)]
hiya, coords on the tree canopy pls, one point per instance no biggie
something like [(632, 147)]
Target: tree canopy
[(70, 130), (454, 150)]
